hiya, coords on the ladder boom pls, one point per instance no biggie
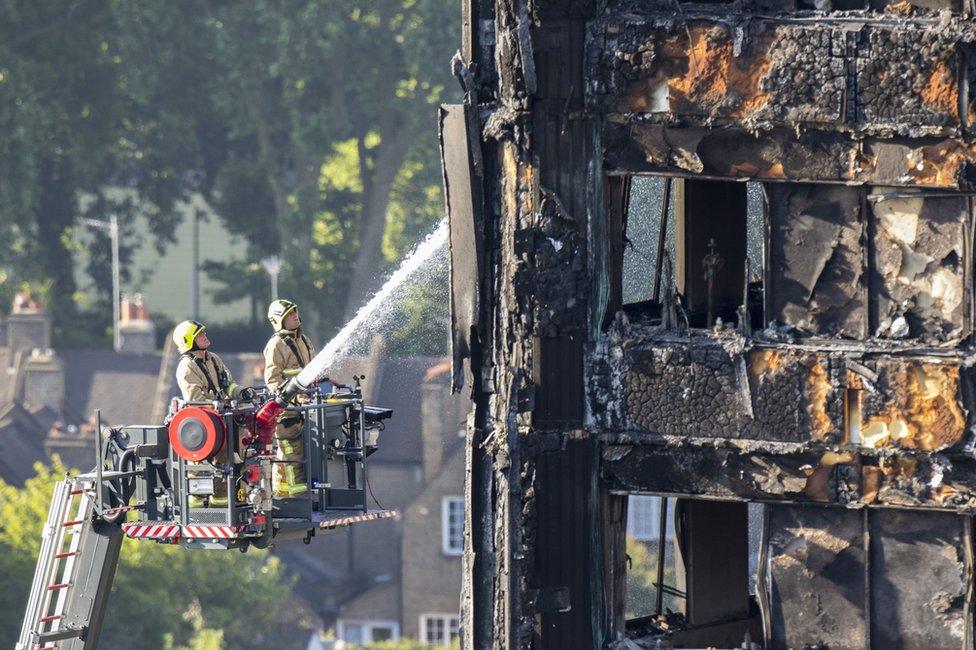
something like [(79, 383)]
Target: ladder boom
[(74, 573)]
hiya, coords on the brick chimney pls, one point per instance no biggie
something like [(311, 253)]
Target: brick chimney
[(436, 422), (41, 379), (28, 325), (39, 375), (136, 330)]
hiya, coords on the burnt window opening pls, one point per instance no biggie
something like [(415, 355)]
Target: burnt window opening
[(649, 546), (709, 554), (701, 241), (642, 280), (832, 5)]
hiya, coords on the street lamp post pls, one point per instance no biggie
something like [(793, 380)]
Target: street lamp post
[(112, 226), (195, 268), (273, 266)]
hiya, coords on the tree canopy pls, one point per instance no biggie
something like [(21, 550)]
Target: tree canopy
[(308, 126)]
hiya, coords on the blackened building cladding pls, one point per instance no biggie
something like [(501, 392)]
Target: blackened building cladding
[(839, 391)]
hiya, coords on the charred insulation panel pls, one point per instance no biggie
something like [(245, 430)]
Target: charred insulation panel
[(703, 391), (867, 75), (920, 575), (849, 579), (817, 581), (705, 69), (918, 270), (816, 280)]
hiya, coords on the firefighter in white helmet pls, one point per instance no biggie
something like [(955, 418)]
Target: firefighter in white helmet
[(287, 352), (203, 377)]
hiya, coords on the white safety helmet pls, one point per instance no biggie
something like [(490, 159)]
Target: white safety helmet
[(277, 311)]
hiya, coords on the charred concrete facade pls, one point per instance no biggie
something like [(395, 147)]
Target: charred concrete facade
[(831, 381)]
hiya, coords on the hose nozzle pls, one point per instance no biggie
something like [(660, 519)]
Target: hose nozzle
[(267, 416)]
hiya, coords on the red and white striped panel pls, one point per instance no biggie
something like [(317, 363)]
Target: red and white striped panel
[(151, 531), (333, 521), (212, 532)]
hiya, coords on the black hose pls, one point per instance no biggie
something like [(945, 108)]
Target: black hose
[(123, 487), (129, 481)]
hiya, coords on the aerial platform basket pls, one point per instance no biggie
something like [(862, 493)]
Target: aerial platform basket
[(202, 480)]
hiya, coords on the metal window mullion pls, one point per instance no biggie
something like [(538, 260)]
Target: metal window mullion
[(866, 535)]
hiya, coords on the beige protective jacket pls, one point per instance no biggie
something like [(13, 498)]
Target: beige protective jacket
[(280, 360), (192, 377)]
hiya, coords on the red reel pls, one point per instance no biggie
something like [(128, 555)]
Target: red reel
[(197, 433)]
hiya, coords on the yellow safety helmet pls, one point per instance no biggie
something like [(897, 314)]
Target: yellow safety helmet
[(186, 333), (277, 311)]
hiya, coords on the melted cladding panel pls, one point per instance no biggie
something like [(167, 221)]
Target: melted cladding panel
[(907, 591)]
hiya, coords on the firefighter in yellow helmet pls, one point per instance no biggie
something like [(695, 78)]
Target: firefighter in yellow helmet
[(203, 377), (201, 374), (287, 352)]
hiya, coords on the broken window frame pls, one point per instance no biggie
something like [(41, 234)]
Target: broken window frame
[(679, 559), (618, 196)]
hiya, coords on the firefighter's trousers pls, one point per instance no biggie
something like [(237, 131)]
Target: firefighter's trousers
[(288, 475)]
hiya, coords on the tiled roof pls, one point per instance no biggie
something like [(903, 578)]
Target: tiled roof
[(400, 380), (22, 441), (6, 372), (121, 384), (123, 387)]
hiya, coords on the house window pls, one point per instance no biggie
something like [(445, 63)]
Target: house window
[(643, 517), (439, 629), (452, 525), (360, 632)]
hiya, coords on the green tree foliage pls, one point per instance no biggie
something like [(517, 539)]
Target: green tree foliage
[(641, 576), (164, 596), (324, 147), (72, 125), (309, 126), (421, 316)]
